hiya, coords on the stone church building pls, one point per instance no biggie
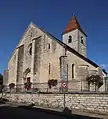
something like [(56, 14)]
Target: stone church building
[(41, 57)]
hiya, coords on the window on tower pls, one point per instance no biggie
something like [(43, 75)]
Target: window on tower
[(82, 40), (70, 39)]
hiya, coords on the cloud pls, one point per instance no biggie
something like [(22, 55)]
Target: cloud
[(104, 66)]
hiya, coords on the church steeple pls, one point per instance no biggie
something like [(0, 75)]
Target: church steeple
[(74, 36), (72, 25)]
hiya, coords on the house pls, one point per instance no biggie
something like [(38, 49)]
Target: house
[(40, 57)]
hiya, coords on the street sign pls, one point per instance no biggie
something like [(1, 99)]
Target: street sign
[(64, 84)]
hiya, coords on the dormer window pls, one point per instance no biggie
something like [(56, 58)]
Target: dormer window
[(82, 40), (70, 39)]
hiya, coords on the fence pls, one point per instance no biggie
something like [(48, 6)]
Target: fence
[(72, 86)]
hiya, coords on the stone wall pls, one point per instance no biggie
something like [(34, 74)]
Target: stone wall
[(5, 77), (49, 59), (88, 101)]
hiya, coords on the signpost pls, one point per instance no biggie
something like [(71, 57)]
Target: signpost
[(64, 74), (64, 87), (64, 84)]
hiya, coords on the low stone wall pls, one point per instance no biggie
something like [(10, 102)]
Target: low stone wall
[(90, 102)]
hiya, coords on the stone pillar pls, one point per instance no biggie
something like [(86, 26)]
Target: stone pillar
[(92, 87), (16, 65), (83, 73), (63, 68), (85, 86), (64, 71), (32, 61), (5, 77), (20, 63)]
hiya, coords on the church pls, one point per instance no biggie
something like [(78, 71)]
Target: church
[(41, 57)]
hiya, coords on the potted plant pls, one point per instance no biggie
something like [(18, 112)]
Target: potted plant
[(52, 82), (11, 86), (27, 85)]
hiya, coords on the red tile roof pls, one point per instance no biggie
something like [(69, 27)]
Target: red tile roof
[(72, 25)]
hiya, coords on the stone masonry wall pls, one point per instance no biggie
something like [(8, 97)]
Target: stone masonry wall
[(20, 64), (88, 102)]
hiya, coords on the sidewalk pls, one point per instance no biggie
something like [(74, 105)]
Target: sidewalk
[(78, 112), (74, 111)]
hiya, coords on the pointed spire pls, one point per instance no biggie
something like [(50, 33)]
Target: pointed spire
[(72, 25)]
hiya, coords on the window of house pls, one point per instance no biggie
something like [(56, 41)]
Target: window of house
[(67, 71), (49, 68), (30, 49), (70, 39), (49, 46), (72, 70), (82, 40), (31, 34)]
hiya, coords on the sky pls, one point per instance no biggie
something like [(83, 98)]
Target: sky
[(53, 16)]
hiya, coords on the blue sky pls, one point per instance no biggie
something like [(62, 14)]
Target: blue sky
[(53, 16)]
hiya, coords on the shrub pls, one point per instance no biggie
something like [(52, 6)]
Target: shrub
[(11, 85), (95, 79), (67, 110), (27, 85), (52, 83)]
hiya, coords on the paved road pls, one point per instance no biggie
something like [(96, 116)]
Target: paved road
[(21, 112)]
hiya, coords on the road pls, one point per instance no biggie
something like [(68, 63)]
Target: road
[(8, 111)]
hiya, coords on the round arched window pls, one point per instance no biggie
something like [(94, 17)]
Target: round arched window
[(30, 49)]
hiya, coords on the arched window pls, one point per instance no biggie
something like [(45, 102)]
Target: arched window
[(30, 49), (49, 46), (73, 70)]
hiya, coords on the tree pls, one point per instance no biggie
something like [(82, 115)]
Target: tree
[(28, 84), (1, 84), (11, 86), (52, 83), (97, 80), (1, 79)]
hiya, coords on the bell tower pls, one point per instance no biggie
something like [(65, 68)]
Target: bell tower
[(74, 36)]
